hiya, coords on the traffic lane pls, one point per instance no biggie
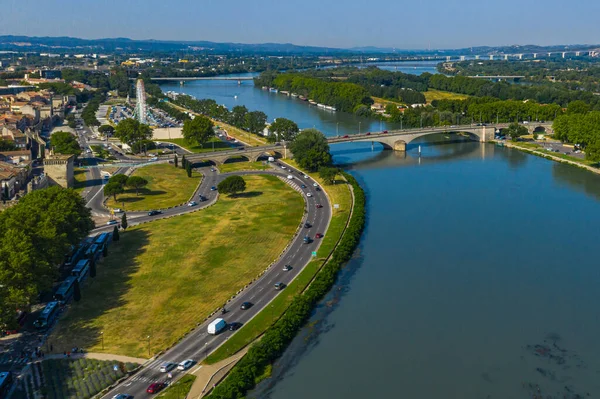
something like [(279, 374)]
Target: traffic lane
[(199, 343)]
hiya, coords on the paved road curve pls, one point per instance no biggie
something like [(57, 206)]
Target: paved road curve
[(199, 344)]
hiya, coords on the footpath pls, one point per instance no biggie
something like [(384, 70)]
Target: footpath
[(208, 376), (97, 356)]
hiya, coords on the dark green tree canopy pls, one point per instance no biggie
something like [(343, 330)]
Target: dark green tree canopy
[(515, 131), (198, 130), (132, 131), (119, 178), (106, 129), (6, 145), (112, 189), (255, 121), (65, 143), (328, 174), (311, 150), (136, 182), (232, 185), (283, 129)]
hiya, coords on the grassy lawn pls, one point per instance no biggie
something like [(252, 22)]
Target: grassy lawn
[(167, 186), (80, 179), (339, 193), (81, 378), (180, 389), (386, 101), (431, 95), (236, 166), (219, 145), (164, 277)]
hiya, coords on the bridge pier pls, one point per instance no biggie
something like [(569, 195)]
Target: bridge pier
[(400, 145)]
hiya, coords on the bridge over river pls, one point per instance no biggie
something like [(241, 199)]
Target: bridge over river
[(391, 140)]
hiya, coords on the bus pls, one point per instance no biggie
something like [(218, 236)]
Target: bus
[(93, 251), (102, 240), (81, 270), (65, 290), (5, 380), (47, 316), (77, 255)]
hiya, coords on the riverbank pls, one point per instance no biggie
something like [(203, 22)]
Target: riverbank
[(252, 368), (548, 155)]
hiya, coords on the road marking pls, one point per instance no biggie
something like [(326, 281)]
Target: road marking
[(196, 370)]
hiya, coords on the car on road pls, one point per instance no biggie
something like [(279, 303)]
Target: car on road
[(315, 184), (303, 186), (234, 326), (167, 366), (122, 396), (290, 177), (287, 268), (308, 194), (186, 364), (156, 387), (201, 198), (213, 188), (345, 136), (118, 210), (241, 149), (152, 213), (192, 203), (305, 176), (319, 206), (318, 235), (111, 222), (385, 131), (279, 286), (368, 133), (246, 305), (307, 225), (212, 169)]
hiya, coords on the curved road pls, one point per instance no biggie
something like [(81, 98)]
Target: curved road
[(198, 344)]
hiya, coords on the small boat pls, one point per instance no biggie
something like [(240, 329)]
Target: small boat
[(264, 87), (312, 102), (294, 95)]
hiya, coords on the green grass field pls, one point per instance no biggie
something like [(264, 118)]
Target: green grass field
[(339, 193), (164, 277), (80, 179), (167, 186), (237, 166), (431, 95), (219, 145)]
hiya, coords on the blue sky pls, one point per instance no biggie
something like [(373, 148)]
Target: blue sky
[(348, 23)]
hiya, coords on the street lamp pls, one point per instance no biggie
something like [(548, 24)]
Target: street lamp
[(401, 120), (148, 338), (102, 336), (337, 129), (358, 127)]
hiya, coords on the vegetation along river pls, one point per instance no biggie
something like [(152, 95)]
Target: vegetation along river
[(476, 276)]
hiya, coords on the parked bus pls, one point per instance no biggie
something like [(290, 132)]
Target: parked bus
[(81, 270), (93, 251), (65, 291), (5, 382), (102, 240), (76, 256), (47, 316)]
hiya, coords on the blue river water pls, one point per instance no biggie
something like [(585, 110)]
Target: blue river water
[(476, 276)]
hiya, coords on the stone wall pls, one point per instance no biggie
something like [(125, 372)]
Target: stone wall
[(59, 171)]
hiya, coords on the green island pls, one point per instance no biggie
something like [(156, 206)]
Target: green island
[(215, 252), (167, 186)]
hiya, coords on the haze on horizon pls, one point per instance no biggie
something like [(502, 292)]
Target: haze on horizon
[(349, 23)]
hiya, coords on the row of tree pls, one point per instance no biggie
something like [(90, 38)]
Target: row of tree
[(582, 129), (35, 236), (89, 112), (117, 183), (273, 343)]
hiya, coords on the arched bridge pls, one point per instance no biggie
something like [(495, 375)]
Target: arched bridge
[(398, 139), (393, 140)]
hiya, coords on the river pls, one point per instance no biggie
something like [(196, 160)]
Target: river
[(476, 276)]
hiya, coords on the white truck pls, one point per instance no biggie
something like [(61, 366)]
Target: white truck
[(216, 326)]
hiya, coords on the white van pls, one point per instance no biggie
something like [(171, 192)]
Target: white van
[(216, 326)]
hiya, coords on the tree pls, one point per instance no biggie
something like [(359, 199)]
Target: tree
[(515, 131), (328, 174), (93, 267), (65, 143), (188, 168), (124, 224), (578, 107), (237, 117), (183, 161), (143, 146), (6, 145), (311, 150), (105, 251), (113, 188), (136, 182), (232, 185), (175, 160), (106, 129), (77, 291), (115, 236), (132, 131), (255, 121), (119, 178), (283, 129), (198, 130)]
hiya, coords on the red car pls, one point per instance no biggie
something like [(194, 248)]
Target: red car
[(156, 387), (368, 133), (346, 136), (319, 206), (318, 235), (385, 131)]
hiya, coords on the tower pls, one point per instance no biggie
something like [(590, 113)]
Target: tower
[(140, 108)]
